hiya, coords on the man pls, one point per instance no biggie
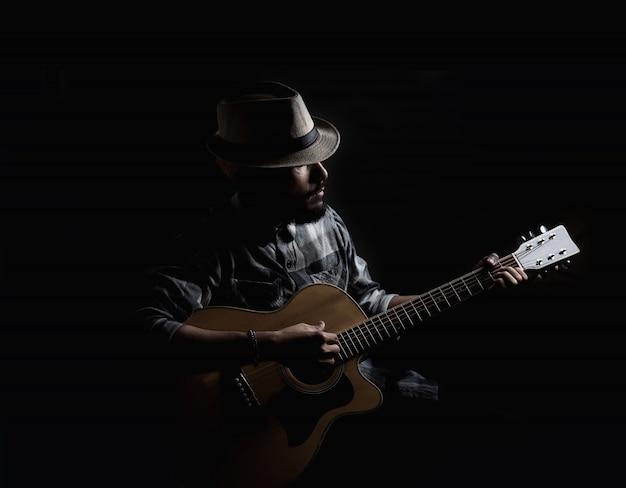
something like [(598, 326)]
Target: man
[(259, 251)]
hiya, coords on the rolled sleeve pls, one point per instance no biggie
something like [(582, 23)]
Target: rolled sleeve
[(175, 295)]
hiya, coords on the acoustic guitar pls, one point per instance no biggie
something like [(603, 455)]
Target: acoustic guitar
[(261, 426)]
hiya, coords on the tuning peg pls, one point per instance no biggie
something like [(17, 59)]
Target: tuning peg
[(543, 229), (562, 266), (523, 238)]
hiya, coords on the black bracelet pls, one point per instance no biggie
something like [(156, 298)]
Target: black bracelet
[(256, 357)]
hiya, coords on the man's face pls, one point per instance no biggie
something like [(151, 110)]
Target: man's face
[(306, 187), (291, 193)]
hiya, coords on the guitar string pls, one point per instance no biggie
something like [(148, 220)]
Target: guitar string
[(451, 292)]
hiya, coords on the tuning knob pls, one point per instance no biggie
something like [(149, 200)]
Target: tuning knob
[(523, 238), (561, 266)]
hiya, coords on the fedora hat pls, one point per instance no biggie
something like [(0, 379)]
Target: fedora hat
[(270, 126)]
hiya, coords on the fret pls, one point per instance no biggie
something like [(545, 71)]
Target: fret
[(425, 307), (359, 340), (393, 310), (406, 315), (467, 287), (368, 332), (352, 348), (462, 292), (481, 285), (412, 304), (377, 329), (434, 301), (455, 292), (445, 297), (395, 331)]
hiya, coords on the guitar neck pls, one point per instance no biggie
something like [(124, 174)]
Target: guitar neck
[(387, 325)]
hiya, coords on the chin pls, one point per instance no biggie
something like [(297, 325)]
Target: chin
[(309, 215)]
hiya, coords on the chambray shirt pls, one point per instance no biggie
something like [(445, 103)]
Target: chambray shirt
[(232, 260)]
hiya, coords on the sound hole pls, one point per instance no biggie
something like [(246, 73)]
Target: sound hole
[(312, 374)]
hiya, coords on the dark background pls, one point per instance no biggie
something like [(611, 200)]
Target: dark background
[(456, 139)]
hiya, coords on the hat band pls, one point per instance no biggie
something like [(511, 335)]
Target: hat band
[(264, 151)]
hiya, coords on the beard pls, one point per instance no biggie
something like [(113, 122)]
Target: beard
[(309, 216), (296, 213), (266, 211)]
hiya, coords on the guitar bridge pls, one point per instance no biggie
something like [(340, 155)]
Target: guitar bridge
[(242, 410), (245, 392)]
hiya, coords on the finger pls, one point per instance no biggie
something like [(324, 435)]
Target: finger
[(492, 259), (329, 356), (328, 360), (518, 273), (489, 260), (511, 276)]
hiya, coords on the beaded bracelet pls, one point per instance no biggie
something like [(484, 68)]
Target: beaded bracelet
[(256, 356)]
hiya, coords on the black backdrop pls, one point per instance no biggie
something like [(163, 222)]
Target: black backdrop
[(103, 160)]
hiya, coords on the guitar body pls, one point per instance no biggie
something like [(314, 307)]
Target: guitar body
[(262, 425)]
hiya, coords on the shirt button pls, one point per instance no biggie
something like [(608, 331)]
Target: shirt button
[(289, 264)]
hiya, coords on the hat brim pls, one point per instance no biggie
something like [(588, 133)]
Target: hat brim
[(323, 148)]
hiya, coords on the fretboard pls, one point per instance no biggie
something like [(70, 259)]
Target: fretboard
[(393, 322)]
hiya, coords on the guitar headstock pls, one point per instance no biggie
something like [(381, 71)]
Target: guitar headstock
[(546, 250)]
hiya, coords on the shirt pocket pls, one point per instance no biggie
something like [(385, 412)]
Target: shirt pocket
[(258, 295)]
